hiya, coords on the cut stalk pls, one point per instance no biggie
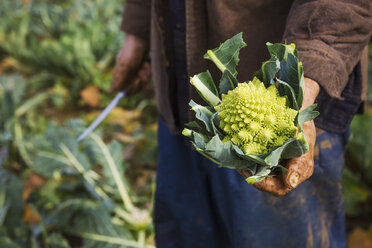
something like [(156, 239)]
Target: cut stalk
[(206, 93)]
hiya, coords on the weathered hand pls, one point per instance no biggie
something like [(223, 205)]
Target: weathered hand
[(131, 70), (301, 168)]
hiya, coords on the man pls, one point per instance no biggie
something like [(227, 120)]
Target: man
[(198, 204)]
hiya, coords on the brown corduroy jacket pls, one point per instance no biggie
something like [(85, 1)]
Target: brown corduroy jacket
[(330, 36)]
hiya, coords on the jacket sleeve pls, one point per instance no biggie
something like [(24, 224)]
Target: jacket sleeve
[(136, 18), (330, 36)]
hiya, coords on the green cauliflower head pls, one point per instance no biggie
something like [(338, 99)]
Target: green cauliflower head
[(256, 118)]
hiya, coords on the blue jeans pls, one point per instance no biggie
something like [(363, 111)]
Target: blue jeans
[(198, 204)]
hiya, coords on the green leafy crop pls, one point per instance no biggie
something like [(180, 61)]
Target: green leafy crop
[(251, 125)]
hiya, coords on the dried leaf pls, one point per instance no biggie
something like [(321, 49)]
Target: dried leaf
[(30, 215), (91, 95), (359, 239)]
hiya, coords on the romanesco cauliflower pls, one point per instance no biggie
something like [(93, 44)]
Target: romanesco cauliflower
[(261, 118), (256, 118)]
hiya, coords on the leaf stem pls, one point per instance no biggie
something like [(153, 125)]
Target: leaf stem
[(112, 240), (115, 172), (142, 239), (214, 58), (34, 101), (20, 143), (209, 96), (80, 168)]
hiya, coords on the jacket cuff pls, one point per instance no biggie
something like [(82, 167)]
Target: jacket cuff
[(324, 65), (136, 18), (330, 36)]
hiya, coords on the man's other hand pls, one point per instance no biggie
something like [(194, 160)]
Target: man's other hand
[(131, 71)]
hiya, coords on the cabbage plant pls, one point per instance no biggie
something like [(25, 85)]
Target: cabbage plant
[(252, 125)]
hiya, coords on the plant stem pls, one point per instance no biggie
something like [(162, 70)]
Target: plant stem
[(142, 239), (218, 63), (80, 168), (113, 240), (20, 143), (115, 173)]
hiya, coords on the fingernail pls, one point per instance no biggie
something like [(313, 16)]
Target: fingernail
[(293, 179)]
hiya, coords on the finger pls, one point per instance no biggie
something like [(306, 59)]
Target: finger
[(145, 72), (123, 80), (120, 73), (134, 86), (142, 79), (123, 73), (299, 169), (273, 185)]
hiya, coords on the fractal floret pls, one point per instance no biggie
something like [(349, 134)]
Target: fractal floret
[(256, 119), (255, 124)]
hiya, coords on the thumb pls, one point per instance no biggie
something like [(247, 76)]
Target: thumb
[(299, 169)]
